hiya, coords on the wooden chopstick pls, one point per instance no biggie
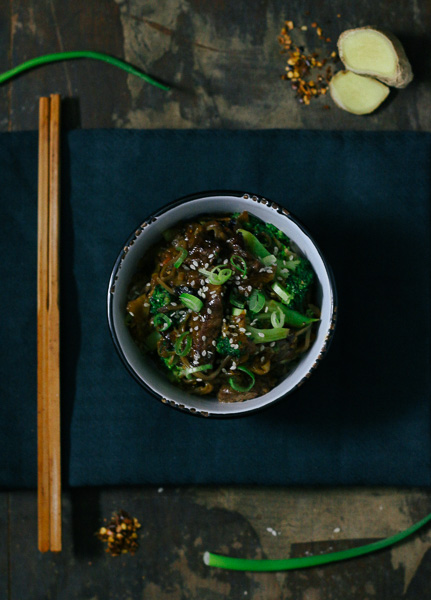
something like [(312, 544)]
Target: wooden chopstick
[(49, 457), (43, 498)]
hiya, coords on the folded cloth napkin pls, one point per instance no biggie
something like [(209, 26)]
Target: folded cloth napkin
[(362, 418)]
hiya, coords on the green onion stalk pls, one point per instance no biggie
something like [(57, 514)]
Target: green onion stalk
[(78, 54)]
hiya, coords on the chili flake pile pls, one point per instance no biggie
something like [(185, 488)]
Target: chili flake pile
[(120, 534), (301, 65)]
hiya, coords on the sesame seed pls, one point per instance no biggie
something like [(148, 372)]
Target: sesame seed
[(204, 352), (262, 359), (225, 261), (214, 343), (209, 311), (272, 344), (146, 304), (266, 309), (242, 329), (196, 328), (207, 265), (174, 304), (248, 333), (204, 337), (260, 334), (193, 267), (262, 347)]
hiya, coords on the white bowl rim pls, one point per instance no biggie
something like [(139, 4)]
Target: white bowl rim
[(246, 410)]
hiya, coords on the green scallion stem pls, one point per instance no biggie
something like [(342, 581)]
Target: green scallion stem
[(181, 258), (61, 56), (242, 388), (277, 318), (182, 348), (162, 322), (192, 302), (257, 301), (289, 564), (239, 264), (218, 275)]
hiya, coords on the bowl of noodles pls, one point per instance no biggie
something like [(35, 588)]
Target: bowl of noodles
[(221, 304)]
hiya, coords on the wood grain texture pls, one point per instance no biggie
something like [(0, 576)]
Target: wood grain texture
[(223, 61), (179, 524)]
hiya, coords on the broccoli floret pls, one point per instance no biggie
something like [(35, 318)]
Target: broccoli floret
[(299, 282), (159, 298), (224, 347), (256, 226)]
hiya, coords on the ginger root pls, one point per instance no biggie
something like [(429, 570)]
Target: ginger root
[(374, 52), (357, 94)]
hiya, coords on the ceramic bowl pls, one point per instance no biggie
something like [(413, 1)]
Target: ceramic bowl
[(150, 375)]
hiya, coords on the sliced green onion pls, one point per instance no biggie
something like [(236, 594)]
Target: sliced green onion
[(60, 56), (285, 296), (189, 370), (182, 256), (235, 300), (241, 267), (242, 388), (253, 245), (191, 302), (151, 340), (262, 336), (183, 348), (292, 317), (162, 322), (277, 318), (217, 278), (305, 562), (257, 301), (269, 260)]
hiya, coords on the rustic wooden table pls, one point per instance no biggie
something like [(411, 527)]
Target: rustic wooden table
[(223, 62)]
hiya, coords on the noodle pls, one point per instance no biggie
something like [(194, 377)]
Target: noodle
[(226, 306)]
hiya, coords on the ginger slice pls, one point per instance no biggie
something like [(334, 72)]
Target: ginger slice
[(371, 51), (357, 94)]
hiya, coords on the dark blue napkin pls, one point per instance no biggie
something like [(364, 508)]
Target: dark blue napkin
[(363, 417)]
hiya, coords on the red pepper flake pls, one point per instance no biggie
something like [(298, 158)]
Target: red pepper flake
[(121, 534), (304, 69)]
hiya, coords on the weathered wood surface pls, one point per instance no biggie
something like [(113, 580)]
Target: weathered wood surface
[(221, 58), (178, 525), (223, 62)]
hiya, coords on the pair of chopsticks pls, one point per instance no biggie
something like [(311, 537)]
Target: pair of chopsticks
[(48, 328)]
